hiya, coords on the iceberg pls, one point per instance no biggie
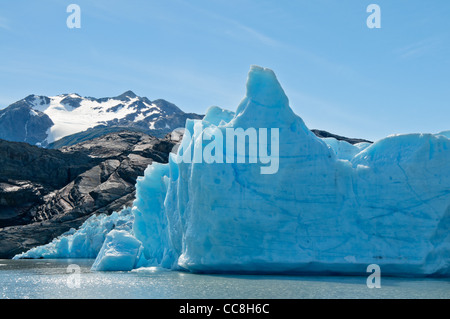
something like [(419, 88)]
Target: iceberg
[(118, 252), (329, 207), (84, 242)]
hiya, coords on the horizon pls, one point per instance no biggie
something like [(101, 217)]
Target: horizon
[(339, 75)]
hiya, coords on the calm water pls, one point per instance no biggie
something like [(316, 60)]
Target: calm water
[(51, 279)]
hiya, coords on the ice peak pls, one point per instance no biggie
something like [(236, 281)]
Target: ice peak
[(265, 104), (263, 88)]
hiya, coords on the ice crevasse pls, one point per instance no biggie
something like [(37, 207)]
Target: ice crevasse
[(331, 207)]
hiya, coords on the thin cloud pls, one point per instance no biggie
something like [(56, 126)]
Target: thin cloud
[(4, 24), (420, 48), (255, 34), (239, 29)]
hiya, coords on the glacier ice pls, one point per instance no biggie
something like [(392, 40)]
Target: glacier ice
[(119, 252), (84, 242), (331, 207), (446, 134), (344, 150)]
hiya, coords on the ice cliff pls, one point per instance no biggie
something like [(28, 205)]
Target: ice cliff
[(84, 242), (329, 207)]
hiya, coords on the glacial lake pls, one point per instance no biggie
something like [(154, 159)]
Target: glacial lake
[(52, 279)]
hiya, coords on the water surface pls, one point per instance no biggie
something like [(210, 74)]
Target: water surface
[(47, 279)]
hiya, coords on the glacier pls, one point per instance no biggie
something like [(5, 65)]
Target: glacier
[(84, 242), (330, 208)]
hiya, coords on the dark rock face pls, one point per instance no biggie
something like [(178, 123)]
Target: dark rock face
[(21, 123), (51, 168), (73, 102), (60, 189), (322, 134), (27, 173)]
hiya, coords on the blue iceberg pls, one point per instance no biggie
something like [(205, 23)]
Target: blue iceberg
[(84, 242), (288, 201), (119, 252)]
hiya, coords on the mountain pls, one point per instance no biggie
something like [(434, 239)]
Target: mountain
[(42, 120), (45, 192), (22, 123)]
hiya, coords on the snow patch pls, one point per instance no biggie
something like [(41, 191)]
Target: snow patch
[(33, 113), (69, 120)]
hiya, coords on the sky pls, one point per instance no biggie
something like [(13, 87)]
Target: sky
[(339, 74)]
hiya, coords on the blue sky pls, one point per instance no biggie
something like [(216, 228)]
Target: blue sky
[(339, 75)]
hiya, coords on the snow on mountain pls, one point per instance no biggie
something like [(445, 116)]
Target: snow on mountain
[(72, 113), (69, 114)]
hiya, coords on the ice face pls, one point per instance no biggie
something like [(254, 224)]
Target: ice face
[(119, 252), (85, 242), (343, 149), (151, 229), (330, 206)]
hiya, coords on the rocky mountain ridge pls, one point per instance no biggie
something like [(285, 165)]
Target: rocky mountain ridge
[(44, 193), (43, 120)]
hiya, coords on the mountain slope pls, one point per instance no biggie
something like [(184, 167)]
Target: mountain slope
[(44, 192), (19, 122), (41, 120)]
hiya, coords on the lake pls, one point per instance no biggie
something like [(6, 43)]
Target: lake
[(52, 279)]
